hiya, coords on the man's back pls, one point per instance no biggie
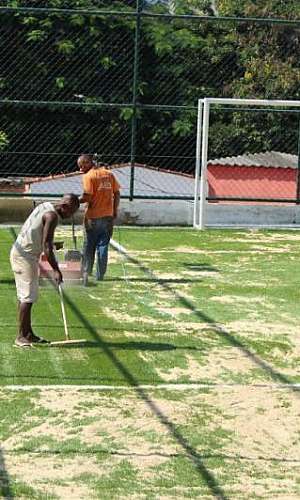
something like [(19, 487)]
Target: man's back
[(102, 185), (29, 240)]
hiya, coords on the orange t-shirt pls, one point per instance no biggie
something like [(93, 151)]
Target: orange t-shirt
[(102, 185)]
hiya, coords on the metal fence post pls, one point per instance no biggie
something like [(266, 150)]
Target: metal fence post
[(139, 6)]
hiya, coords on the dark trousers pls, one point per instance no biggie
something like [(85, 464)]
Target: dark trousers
[(97, 234)]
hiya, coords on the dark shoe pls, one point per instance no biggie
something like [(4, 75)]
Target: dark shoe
[(22, 342), (35, 339)]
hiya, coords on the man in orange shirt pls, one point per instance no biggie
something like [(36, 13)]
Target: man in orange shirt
[(101, 192)]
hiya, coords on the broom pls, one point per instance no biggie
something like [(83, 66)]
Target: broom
[(68, 339)]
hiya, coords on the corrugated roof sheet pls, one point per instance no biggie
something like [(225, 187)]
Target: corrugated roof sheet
[(268, 159), (153, 182)]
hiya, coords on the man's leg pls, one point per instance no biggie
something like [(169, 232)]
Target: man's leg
[(102, 258), (27, 284), (25, 329), (102, 248), (89, 247)]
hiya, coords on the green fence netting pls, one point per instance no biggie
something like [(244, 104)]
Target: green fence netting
[(122, 79)]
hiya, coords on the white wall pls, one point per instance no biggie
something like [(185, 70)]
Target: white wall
[(253, 215), (174, 212), (164, 212)]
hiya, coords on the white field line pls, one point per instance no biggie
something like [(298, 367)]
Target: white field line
[(173, 387)]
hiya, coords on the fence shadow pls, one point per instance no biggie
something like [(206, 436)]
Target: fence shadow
[(189, 451), (218, 329), (200, 266), (5, 486), (9, 281), (154, 280)]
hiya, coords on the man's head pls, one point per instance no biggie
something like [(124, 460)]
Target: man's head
[(68, 205), (85, 163)]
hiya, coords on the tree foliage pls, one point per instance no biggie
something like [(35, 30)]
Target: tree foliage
[(88, 59)]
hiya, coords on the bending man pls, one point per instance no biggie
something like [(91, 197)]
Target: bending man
[(35, 237), (101, 192)]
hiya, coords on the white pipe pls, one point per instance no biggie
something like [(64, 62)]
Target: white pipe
[(197, 167), (204, 164), (252, 102)]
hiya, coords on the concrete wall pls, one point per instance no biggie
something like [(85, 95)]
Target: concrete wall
[(156, 212), (164, 212), (14, 210), (173, 212), (253, 215)]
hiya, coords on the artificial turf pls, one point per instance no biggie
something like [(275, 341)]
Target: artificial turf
[(216, 311), (163, 305)]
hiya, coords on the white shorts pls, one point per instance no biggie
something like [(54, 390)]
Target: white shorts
[(26, 273)]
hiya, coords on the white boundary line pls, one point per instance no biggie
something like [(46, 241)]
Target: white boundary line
[(174, 387)]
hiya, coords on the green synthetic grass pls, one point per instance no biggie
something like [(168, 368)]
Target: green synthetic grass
[(216, 308), (151, 445), (165, 310)]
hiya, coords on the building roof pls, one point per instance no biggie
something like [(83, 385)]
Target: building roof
[(148, 181), (151, 181), (273, 159), (11, 181)]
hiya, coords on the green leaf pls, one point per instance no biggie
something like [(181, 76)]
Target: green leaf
[(182, 127), (65, 46), (29, 20), (60, 82), (107, 62), (36, 36), (3, 139), (126, 113), (77, 20)]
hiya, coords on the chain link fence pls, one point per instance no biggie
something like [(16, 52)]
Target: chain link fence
[(122, 79), (256, 154)]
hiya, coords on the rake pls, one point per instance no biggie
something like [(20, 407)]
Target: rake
[(68, 338)]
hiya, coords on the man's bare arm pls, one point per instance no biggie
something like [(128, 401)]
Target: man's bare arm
[(50, 220)]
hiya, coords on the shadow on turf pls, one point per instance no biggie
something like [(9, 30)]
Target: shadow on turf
[(195, 457), (136, 346), (219, 330), (200, 266), (190, 452), (5, 489), (10, 281), (152, 280)]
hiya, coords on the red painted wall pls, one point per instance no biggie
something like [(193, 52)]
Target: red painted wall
[(251, 182)]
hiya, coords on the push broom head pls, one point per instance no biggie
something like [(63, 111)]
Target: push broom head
[(67, 342)]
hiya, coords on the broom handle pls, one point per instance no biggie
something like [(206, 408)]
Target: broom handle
[(63, 311), (73, 234)]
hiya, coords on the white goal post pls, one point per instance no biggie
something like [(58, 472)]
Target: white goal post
[(204, 106)]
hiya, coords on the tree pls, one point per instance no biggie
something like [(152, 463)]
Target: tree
[(88, 59)]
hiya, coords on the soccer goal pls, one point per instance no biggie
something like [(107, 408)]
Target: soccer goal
[(207, 133)]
